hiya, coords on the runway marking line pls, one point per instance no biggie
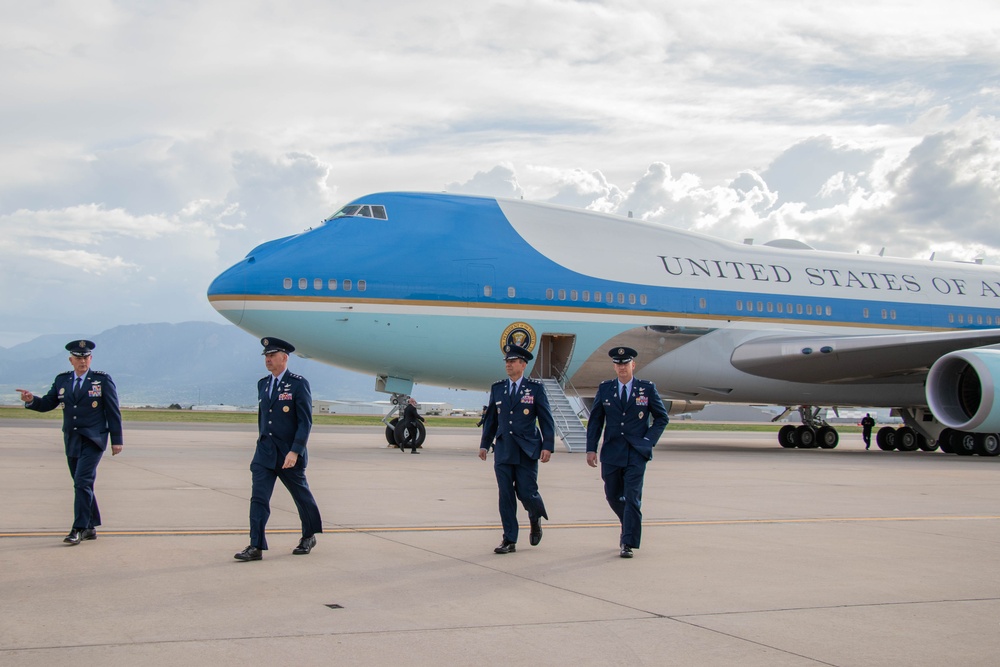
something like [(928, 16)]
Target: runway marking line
[(431, 529)]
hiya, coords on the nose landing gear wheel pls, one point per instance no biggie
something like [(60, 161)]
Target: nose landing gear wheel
[(390, 432), (410, 437)]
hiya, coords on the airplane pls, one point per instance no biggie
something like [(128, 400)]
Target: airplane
[(428, 287)]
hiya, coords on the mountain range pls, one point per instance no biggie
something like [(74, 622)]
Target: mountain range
[(190, 363)]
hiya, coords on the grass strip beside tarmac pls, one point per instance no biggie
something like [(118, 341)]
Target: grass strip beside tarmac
[(219, 417)]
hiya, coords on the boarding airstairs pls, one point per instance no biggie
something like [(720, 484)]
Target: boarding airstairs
[(568, 424)]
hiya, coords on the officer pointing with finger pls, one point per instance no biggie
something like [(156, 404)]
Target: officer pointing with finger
[(91, 415)]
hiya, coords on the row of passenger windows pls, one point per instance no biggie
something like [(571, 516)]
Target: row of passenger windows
[(800, 309), (574, 295), (771, 307), (347, 285), (884, 313), (599, 297), (979, 319)]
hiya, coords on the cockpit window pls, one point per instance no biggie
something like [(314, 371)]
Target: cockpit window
[(360, 211)]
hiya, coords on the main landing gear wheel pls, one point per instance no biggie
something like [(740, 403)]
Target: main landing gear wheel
[(814, 431), (925, 445), (963, 443), (827, 437), (987, 444), (806, 437), (906, 439), (886, 438)]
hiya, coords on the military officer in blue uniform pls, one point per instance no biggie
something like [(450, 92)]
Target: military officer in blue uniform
[(632, 416), (284, 419), (516, 405), (91, 415)]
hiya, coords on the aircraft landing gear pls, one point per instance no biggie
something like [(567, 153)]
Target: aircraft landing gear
[(967, 444), (814, 431), (915, 434), (402, 434)]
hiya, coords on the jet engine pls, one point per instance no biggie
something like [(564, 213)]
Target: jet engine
[(962, 390)]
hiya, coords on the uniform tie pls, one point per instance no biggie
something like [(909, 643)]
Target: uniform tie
[(78, 387), (513, 387), (624, 394), (270, 390)]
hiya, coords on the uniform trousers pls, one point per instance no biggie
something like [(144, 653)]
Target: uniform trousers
[(83, 468), (518, 481), (623, 490), (294, 480)]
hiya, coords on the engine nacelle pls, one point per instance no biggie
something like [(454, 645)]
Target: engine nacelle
[(962, 390)]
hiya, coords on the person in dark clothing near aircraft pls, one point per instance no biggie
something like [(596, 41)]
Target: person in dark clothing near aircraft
[(91, 415), (516, 405), (867, 423), (284, 419), (632, 416), (410, 420)]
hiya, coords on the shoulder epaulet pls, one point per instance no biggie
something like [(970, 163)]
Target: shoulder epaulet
[(533, 380), (294, 375), (607, 382), (494, 384), (64, 374), (99, 373)]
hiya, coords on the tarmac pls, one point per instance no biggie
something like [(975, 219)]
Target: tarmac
[(751, 555)]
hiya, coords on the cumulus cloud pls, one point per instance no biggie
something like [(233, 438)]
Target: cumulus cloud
[(143, 149), (500, 181), (947, 187), (111, 266)]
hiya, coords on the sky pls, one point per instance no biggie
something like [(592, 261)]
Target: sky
[(146, 146)]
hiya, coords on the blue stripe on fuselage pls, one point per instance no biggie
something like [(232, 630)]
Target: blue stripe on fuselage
[(447, 248)]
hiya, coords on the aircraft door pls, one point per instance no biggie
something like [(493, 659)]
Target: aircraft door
[(554, 354)]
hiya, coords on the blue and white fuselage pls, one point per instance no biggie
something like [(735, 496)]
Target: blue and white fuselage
[(426, 288)]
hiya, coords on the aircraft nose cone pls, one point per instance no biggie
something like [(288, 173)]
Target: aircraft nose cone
[(227, 293)]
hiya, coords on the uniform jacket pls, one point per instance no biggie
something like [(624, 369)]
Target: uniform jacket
[(511, 421), (283, 420), (95, 415), (626, 426)]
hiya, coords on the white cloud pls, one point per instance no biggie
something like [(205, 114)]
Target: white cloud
[(147, 146), (500, 181)]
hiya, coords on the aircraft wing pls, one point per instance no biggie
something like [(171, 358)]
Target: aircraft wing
[(834, 359)]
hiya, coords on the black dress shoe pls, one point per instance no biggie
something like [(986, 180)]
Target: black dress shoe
[(74, 538), (506, 548), (536, 532), (626, 551), (250, 553), (305, 545), (89, 534)]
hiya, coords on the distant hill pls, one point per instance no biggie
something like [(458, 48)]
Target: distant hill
[(191, 363)]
